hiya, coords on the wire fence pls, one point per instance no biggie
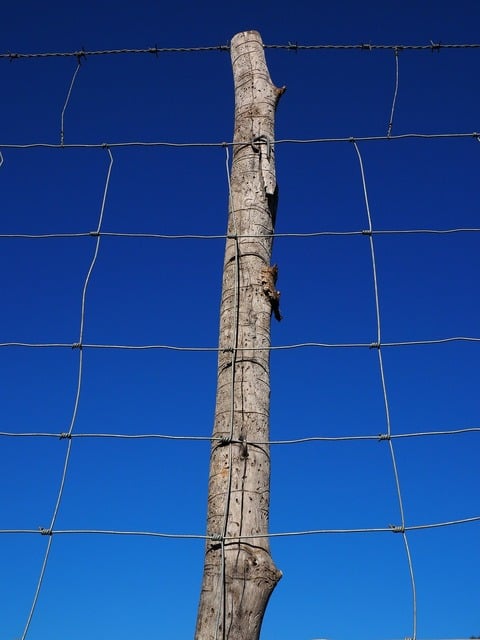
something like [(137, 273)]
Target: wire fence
[(405, 525)]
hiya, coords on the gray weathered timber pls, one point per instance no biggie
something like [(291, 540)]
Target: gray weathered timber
[(239, 574)]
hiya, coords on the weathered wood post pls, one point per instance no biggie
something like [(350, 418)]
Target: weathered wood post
[(239, 574)]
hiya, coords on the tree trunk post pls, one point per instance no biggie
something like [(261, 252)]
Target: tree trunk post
[(239, 573)]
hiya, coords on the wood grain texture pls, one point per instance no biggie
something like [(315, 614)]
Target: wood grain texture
[(239, 574)]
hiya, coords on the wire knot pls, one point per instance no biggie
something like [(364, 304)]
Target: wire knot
[(225, 440), (45, 532), (65, 436), (367, 232), (374, 345), (293, 46), (396, 529), (77, 345), (217, 537), (384, 436), (80, 55), (366, 46), (94, 233)]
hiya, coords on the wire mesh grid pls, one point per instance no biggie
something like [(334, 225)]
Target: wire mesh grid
[(143, 354)]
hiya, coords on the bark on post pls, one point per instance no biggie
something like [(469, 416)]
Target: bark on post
[(239, 574)]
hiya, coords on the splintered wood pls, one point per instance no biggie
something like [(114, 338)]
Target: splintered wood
[(269, 281)]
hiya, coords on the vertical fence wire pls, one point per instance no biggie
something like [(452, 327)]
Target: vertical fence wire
[(68, 434), (221, 611), (67, 100), (395, 94), (378, 345)]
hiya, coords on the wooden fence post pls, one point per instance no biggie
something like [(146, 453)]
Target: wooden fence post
[(239, 573)]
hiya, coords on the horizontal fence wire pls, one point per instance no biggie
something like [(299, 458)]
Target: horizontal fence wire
[(163, 236), (281, 534), (164, 436), (475, 135), (290, 46), (280, 347)]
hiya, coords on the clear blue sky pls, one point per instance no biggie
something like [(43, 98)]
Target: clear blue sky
[(146, 291)]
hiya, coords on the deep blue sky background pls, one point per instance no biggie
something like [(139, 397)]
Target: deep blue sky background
[(146, 291)]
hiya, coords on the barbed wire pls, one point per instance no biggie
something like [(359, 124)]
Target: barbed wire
[(83, 53), (432, 46)]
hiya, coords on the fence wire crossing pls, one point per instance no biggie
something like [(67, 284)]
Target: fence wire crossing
[(81, 346)]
